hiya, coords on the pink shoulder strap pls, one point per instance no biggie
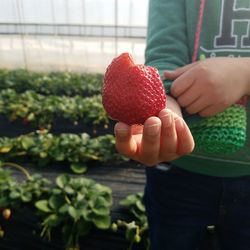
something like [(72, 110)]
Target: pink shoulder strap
[(198, 30)]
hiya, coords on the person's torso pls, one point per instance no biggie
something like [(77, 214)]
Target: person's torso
[(225, 31)]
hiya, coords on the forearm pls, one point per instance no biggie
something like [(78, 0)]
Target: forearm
[(167, 42)]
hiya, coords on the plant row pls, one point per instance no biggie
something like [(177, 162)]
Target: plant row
[(71, 205), (74, 149), (55, 83), (42, 111)]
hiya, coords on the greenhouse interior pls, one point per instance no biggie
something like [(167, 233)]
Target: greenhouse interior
[(62, 183), (78, 35)]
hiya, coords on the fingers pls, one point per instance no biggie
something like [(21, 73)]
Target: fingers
[(176, 138), (185, 144), (162, 138), (187, 99), (196, 106), (143, 147), (202, 106), (125, 142), (150, 145), (182, 84), (212, 110), (171, 75), (168, 136)]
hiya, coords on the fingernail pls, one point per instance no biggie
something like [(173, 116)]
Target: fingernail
[(167, 119), (153, 129), (122, 132), (179, 124)]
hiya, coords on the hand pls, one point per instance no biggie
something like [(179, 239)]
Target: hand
[(161, 139), (210, 86)]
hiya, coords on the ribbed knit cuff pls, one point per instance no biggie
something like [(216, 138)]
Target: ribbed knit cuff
[(221, 134)]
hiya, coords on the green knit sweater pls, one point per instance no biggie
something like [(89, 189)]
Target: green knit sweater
[(172, 26)]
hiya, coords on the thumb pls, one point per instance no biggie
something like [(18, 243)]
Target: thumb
[(172, 75)]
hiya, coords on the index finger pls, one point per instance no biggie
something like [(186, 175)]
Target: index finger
[(125, 142), (150, 145), (182, 84)]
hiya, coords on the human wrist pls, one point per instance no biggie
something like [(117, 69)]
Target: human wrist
[(173, 106)]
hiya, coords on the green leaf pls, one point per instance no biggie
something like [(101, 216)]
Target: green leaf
[(103, 189), (86, 215), (43, 205), (102, 222), (63, 209), (140, 206), (56, 191), (43, 154), (56, 201), (62, 180), (31, 117), (14, 195), (130, 200), (59, 156), (101, 211), (78, 168), (52, 220), (26, 197), (69, 190), (102, 202), (73, 213)]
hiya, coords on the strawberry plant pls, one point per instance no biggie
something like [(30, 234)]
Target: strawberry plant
[(75, 205), (136, 231), (54, 83), (15, 195), (41, 111), (76, 149), (71, 205)]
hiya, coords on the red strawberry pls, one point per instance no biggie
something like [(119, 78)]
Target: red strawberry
[(132, 93)]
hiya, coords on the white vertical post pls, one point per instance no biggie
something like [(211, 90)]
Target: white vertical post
[(116, 26), (21, 22)]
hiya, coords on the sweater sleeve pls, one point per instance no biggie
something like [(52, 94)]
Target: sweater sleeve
[(167, 43)]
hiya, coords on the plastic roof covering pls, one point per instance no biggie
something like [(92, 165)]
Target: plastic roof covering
[(74, 35)]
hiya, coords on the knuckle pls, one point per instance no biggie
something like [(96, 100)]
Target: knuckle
[(202, 69)]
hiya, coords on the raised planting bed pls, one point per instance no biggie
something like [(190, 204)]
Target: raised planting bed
[(54, 125), (54, 83), (23, 229), (39, 111)]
